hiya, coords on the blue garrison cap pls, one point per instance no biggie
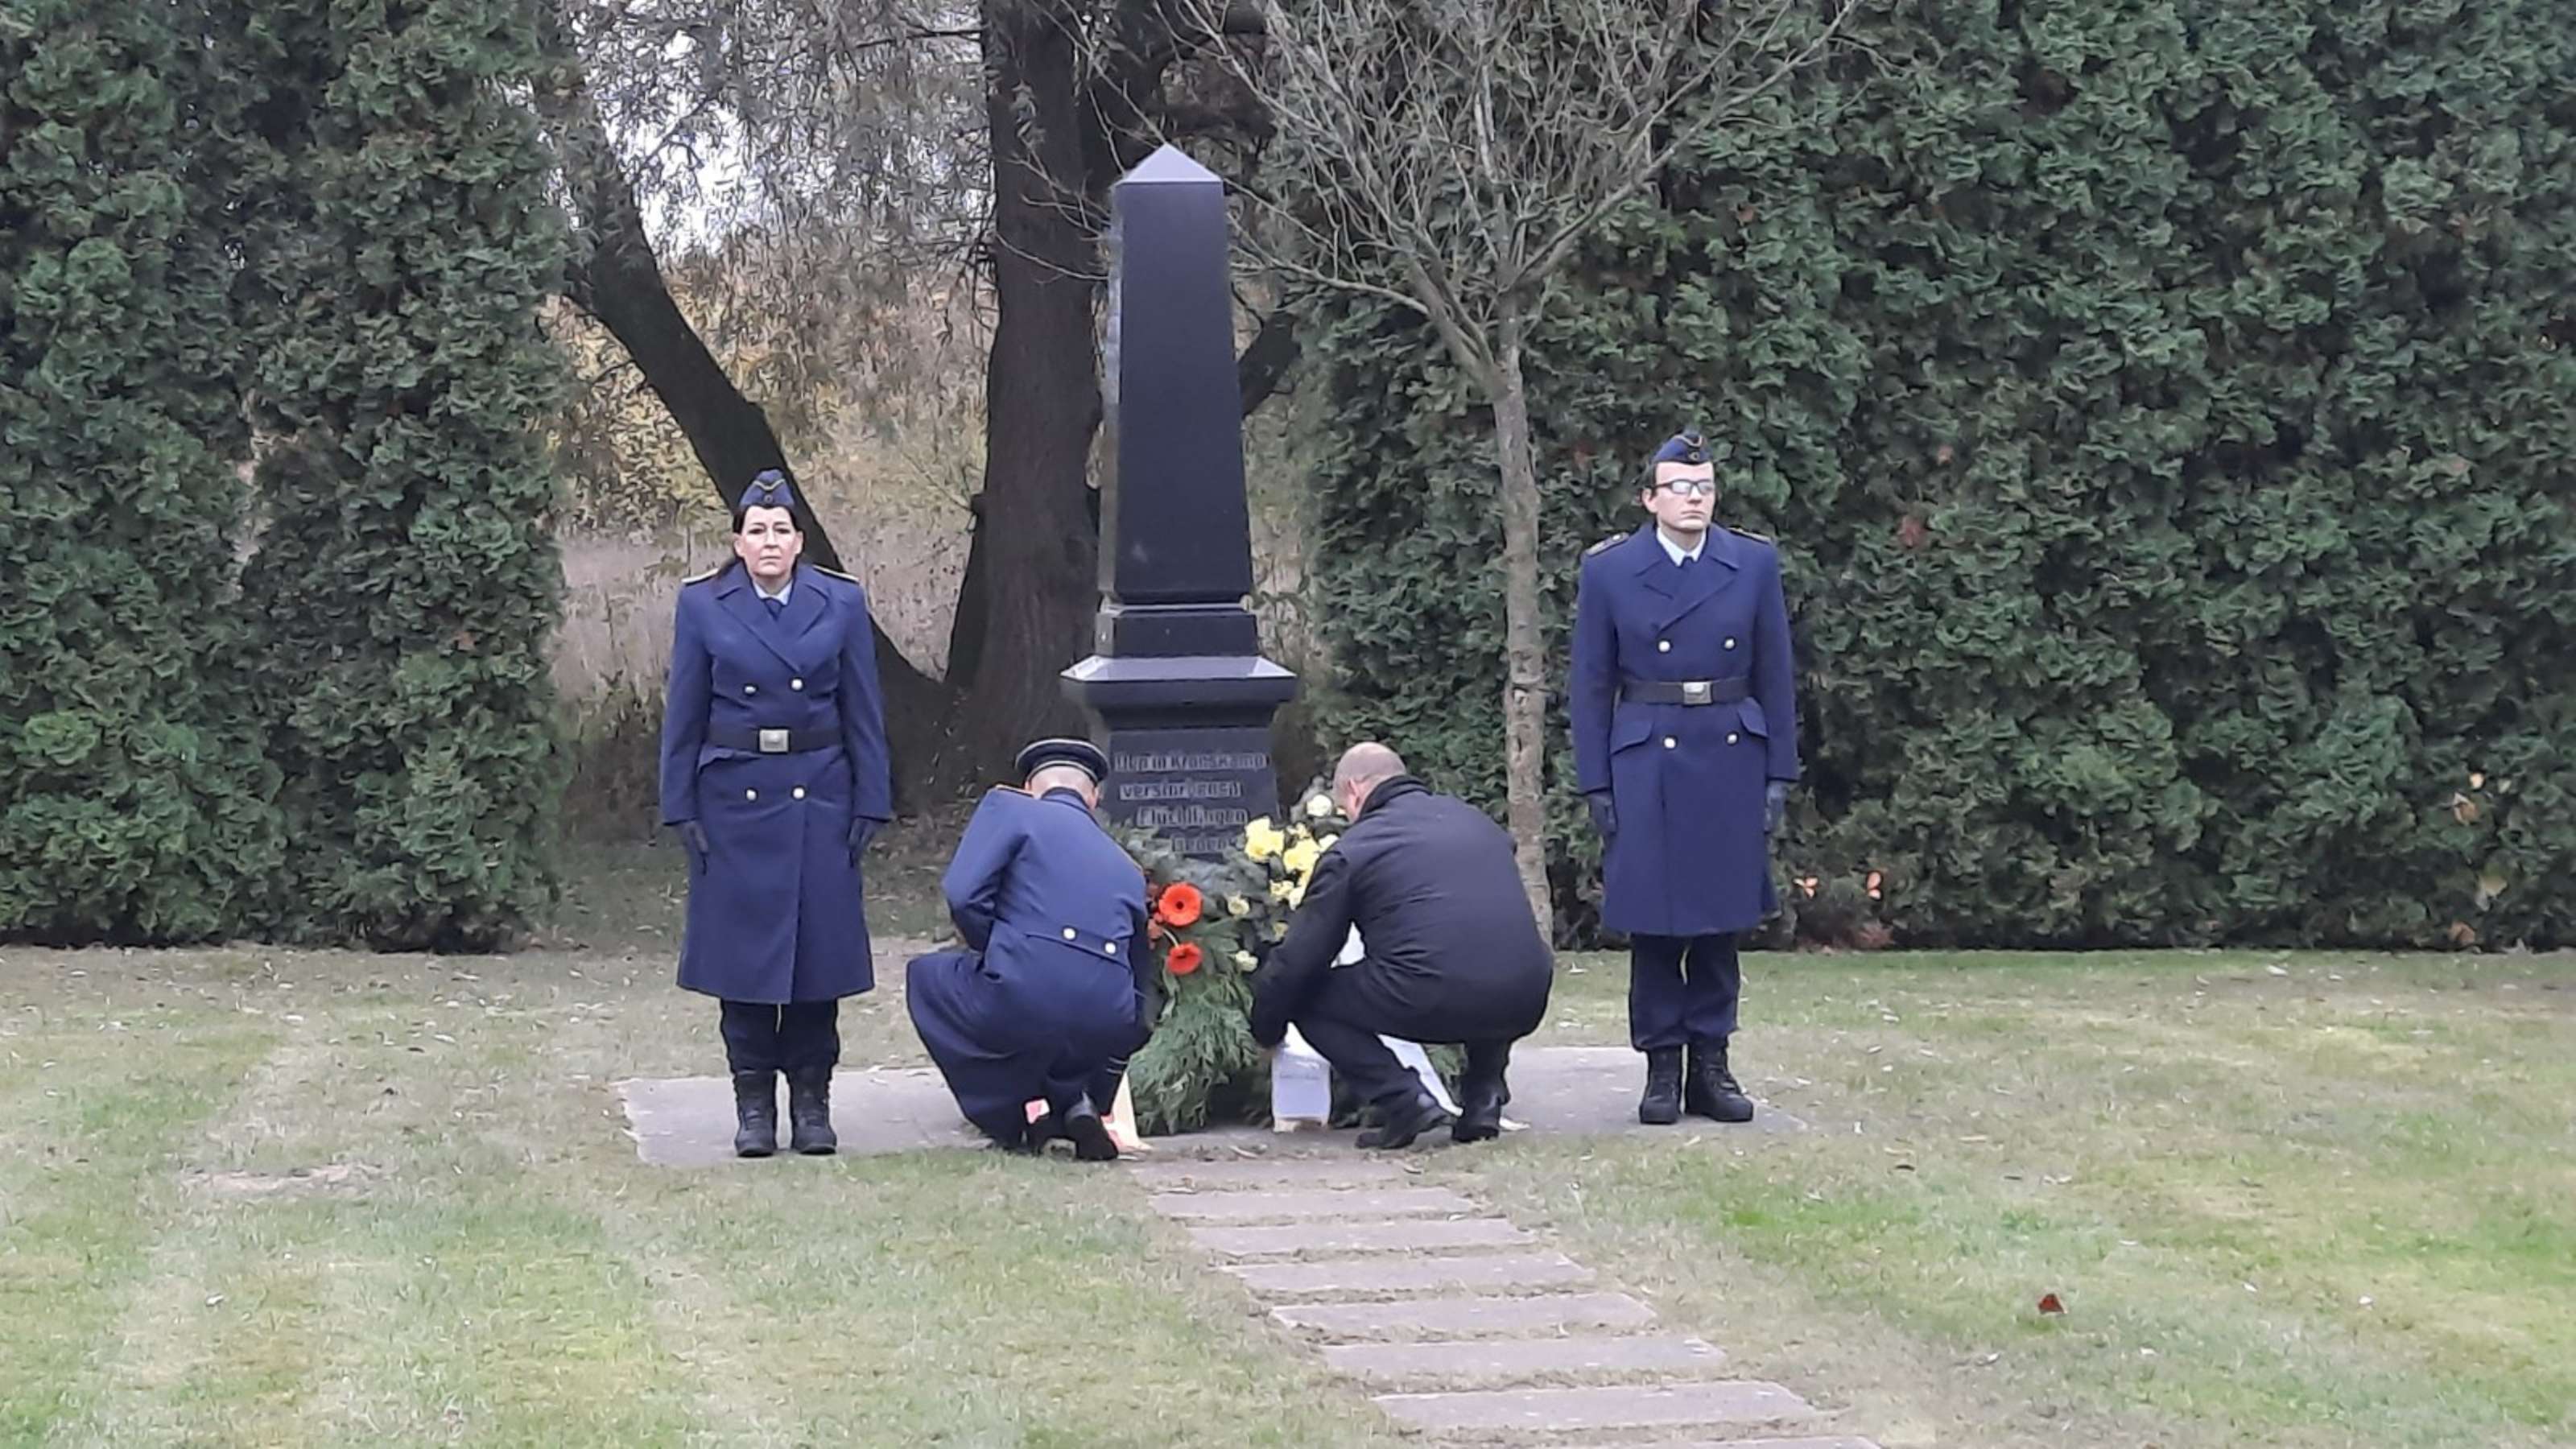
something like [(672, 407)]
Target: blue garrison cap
[(769, 489), (1083, 755), (1686, 446)]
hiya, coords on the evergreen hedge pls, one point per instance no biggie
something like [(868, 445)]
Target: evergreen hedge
[(134, 802), (2165, 409), (407, 576)]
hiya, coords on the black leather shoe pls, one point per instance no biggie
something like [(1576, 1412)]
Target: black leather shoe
[(1661, 1106), (1090, 1135), (809, 1112), (755, 1114), (1405, 1122), (1710, 1090), (1480, 1109)]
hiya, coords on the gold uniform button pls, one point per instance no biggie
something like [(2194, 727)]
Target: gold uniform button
[(1670, 742), (799, 791), (796, 684), (1068, 933), (1663, 646)]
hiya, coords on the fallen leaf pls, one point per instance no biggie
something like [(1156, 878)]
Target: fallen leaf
[(2048, 1304)]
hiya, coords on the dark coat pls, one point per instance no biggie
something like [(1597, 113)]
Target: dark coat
[(1452, 953), (1689, 858), (1056, 978), (775, 913)]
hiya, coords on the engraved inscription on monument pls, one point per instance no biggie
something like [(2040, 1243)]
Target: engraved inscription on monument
[(1198, 788)]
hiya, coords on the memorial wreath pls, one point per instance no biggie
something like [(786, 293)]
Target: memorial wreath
[(1214, 921)]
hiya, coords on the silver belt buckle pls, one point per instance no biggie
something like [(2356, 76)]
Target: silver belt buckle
[(1696, 691), (773, 742)]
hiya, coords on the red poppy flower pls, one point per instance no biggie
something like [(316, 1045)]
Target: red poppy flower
[(1179, 905), (1185, 958)]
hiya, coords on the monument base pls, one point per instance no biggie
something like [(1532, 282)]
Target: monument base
[(1188, 739)]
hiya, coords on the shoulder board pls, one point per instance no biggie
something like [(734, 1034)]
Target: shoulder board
[(1611, 541), (1748, 533), (702, 578), (832, 573)]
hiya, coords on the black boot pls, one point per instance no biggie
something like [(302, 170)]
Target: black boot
[(1661, 1106), (1711, 1091), (809, 1112), (1480, 1103), (755, 1114), (1090, 1135), (1407, 1120)]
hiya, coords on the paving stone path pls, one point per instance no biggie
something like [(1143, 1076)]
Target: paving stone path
[(1461, 1325)]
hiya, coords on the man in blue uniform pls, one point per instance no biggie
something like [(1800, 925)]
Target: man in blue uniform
[(774, 771), (1055, 987), (1685, 745)]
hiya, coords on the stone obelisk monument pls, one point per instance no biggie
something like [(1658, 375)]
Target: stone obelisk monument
[(1178, 691)]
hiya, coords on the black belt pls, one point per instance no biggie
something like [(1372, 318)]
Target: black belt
[(1685, 691), (773, 742)]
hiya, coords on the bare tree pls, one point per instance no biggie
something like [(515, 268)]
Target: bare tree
[(1455, 154)]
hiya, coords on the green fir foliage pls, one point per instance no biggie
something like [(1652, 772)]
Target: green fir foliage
[(407, 577), (2165, 410), (134, 804)]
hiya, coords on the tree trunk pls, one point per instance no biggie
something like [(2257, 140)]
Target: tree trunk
[(1035, 539), (1524, 652), (621, 284)]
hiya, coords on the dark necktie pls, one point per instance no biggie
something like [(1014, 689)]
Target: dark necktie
[(776, 606)]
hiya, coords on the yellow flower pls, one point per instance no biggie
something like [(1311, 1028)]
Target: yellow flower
[(1319, 807), (1284, 890), (1262, 840), (1237, 906), (1300, 858), (1297, 895), (1244, 961), (1327, 842)]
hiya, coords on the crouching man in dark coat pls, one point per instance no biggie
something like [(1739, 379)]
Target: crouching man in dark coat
[(1055, 987), (1451, 953)]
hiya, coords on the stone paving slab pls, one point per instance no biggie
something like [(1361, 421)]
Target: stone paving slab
[(1602, 1407), (1488, 1271), (1484, 1364), (1344, 1203), (688, 1121), (1397, 1236), (1459, 1317), (1341, 1170)]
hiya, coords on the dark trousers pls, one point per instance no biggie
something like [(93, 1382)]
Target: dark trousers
[(1682, 991), (760, 1036), (1343, 1020)]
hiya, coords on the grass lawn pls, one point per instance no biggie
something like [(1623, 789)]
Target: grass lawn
[(263, 1197)]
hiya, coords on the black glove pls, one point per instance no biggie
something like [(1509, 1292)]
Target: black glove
[(1775, 806), (862, 830), (1605, 815), (694, 836)]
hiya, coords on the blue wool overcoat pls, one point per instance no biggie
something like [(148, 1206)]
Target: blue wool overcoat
[(1689, 857), (775, 911)]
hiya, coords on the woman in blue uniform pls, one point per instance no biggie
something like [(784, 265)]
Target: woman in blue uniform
[(774, 772)]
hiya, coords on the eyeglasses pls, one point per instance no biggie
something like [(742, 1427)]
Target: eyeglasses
[(1690, 487)]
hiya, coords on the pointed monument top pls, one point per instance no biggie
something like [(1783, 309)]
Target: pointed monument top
[(1168, 165)]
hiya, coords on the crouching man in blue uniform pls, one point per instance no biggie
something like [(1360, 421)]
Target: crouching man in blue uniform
[(1685, 745), (774, 771), (1055, 987)]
